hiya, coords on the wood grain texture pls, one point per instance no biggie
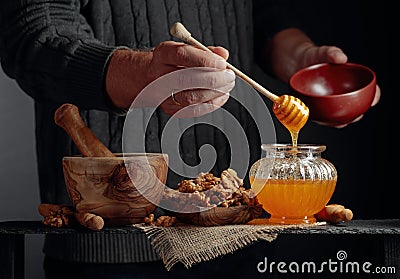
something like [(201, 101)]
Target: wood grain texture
[(90, 220), (218, 216), (67, 117), (120, 190)]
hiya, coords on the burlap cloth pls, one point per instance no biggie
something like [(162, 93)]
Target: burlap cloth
[(191, 244)]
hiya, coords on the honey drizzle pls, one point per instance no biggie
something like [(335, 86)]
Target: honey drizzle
[(294, 136), (292, 113)]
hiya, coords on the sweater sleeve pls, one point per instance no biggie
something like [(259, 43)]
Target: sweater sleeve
[(51, 52)]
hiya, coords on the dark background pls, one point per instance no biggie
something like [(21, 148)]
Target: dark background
[(364, 153)]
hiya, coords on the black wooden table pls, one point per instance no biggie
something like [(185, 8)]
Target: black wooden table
[(380, 237)]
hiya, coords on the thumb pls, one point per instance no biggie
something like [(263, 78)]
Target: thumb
[(336, 55), (223, 52)]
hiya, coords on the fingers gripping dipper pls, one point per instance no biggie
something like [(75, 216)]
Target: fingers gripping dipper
[(290, 111)]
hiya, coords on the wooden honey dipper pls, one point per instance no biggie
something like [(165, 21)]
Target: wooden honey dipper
[(289, 110), (67, 117)]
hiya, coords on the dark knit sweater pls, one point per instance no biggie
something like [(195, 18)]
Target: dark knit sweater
[(57, 51)]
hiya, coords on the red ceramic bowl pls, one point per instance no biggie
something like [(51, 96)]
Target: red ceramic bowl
[(336, 94)]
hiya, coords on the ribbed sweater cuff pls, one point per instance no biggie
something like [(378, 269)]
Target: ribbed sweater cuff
[(87, 69)]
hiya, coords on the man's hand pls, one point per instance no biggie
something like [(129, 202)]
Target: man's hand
[(291, 50), (130, 71)]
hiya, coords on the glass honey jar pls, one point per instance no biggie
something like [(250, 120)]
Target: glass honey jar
[(293, 182)]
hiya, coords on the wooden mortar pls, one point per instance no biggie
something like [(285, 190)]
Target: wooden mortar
[(98, 182)]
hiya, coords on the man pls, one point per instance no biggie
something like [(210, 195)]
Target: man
[(99, 55)]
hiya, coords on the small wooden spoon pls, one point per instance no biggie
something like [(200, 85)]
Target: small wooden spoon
[(289, 110)]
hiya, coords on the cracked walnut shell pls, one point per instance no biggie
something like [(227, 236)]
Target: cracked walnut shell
[(228, 201)]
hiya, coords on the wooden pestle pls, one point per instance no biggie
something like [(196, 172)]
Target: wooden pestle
[(67, 117), (90, 220), (334, 213)]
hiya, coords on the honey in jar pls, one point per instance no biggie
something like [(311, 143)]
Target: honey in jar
[(293, 182)]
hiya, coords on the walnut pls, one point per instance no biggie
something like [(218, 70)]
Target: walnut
[(188, 186), (161, 221), (165, 221), (230, 180), (56, 215), (202, 182), (207, 190), (149, 219)]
